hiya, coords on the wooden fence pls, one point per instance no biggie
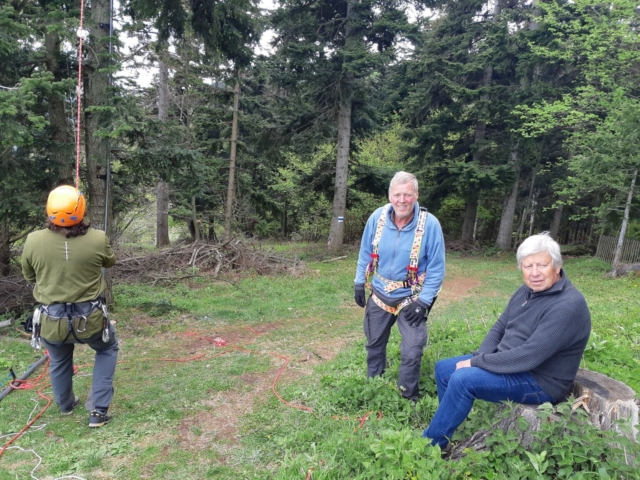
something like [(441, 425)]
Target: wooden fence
[(607, 250)]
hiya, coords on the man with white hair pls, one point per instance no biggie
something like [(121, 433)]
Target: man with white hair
[(532, 353), (401, 262)]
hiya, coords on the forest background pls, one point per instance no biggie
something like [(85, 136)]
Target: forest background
[(516, 117)]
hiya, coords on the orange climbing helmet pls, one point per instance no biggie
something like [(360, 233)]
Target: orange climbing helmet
[(66, 206)]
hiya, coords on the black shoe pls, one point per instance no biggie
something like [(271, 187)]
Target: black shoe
[(97, 419), (76, 402), (446, 451)]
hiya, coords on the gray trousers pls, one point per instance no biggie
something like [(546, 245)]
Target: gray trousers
[(104, 368), (377, 328)]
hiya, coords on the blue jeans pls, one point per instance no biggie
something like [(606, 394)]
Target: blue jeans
[(458, 389)]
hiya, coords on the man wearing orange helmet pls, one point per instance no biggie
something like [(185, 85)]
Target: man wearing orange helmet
[(65, 262)]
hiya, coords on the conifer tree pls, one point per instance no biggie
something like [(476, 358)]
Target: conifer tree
[(326, 54)]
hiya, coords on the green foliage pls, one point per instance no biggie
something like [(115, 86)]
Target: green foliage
[(606, 160)]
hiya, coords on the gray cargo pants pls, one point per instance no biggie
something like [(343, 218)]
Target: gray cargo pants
[(61, 370), (377, 328)]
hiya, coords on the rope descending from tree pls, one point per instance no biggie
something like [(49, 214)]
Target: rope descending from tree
[(82, 33)]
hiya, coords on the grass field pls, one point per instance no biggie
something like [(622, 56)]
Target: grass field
[(201, 364)]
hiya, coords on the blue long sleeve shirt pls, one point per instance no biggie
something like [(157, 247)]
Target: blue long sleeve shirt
[(394, 250)]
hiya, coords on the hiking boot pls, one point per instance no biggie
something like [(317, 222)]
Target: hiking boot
[(76, 402), (97, 419)]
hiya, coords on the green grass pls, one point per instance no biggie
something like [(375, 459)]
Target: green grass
[(216, 417)]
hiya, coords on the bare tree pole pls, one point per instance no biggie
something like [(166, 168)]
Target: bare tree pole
[(162, 189), (472, 200), (96, 94), (623, 229), (61, 151), (232, 159), (336, 231), (505, 231), (532, 217), (194, 219), (555, 223)]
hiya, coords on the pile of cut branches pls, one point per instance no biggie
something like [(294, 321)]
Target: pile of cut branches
[(15, 294), (202, 259), (461, 246)]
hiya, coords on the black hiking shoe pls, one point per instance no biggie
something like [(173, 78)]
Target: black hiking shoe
[(76, 402), (97, 419)]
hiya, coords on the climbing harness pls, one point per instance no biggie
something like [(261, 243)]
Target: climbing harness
[(412, 280), (81, 322)]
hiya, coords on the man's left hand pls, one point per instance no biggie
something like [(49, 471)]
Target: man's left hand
[(463, 364), (415, 312)]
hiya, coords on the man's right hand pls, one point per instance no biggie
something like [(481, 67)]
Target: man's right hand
[(359, 296)]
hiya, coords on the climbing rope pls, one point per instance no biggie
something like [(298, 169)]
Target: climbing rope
[(81, 34), (219, 342)]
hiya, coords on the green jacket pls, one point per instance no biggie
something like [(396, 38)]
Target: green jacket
[(66, 270)]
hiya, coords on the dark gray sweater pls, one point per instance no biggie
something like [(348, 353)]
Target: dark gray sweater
[(544, 333)]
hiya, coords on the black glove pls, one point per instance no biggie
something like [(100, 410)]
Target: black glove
[(359, 296), (416, 312)]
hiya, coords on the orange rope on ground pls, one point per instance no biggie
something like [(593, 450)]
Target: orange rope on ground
[(24, 385), (28, 425), (219, 342)]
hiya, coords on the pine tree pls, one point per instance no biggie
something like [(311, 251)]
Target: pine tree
[(327, 53)]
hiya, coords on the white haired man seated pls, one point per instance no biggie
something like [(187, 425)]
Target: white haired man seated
[(532, 353)]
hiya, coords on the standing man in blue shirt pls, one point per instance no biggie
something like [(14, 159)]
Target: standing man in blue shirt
[(402, 263)]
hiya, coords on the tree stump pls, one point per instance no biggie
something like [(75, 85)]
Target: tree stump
[(605, 400), (625, 268)]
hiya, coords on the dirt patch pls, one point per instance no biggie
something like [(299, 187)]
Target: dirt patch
[(217, 427), (228, 336), (455, 289), (323, 350)]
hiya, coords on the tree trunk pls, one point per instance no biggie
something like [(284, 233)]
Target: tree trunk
[(555, 223), (623, 229), (61, 151), (232, 159), (162, 216), (162, 188), (606, 400), (96, 95), (336, 232), (194, 219), (516, 241), (532, 216), (5, 250), (505, 231), (471, 209), (525, 211), (284, 226), (470, 213)]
